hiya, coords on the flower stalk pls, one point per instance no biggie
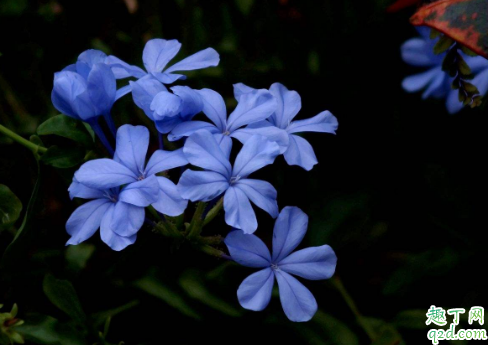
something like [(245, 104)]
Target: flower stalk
[(338, 284), (214, 211), (24, 142)]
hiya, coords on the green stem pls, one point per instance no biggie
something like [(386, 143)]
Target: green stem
[(14, 136), (351, 304), (196, 224), (214, 211)]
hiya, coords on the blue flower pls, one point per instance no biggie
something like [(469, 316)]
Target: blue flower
[(202, 150), (166, 109), (156, 55), (141, 186), (297, 151), (314, 263), (87, 89), (435, 82), (253, 107), (106, 212)]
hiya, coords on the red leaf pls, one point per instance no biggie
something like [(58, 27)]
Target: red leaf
[(401, 4), (465, 21)]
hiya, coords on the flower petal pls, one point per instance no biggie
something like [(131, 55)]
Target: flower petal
[(158, 52), (126, 219), (169, 202), (240, 89), (78, 190), (452, 103), (417, 52), (238, 211), (104, 173), (202, 150), (191, 101), (165, 104), (324, 122), (162, 160), (265, 129), (255, 292), (144, 91), (201, 185), (252, 107), (297, 301), (300, 153), (121, 92), (313, 263), (122, 69), (67, 86), (167, 78), (247, 250), (101, 87), (109, 237), (85, 220), (214, 108), (225, 143), (289, 230), (480, 80), (202, 59), (256, 153), (261, 193), (87, 60), (419, 81), (141, 193), (438, 87), (288, 105), (168, 124), (187, 128), (131, 147)]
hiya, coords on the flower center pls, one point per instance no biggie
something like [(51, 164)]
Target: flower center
[(141, 177), (274, 267), (226, 133), (235, 179)]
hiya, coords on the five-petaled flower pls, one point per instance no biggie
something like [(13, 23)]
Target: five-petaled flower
[(157, 54), (314, 263), (252, 107), (435, 82), (141, 188), (297, 150), (204, 151)]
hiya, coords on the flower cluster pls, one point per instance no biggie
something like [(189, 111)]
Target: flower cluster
[(434, 81), (125, 191)]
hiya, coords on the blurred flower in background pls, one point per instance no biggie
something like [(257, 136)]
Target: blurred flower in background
[(435, 81)]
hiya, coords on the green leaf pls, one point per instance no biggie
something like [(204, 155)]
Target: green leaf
[(14, 249), (10, 207), (334, 330), (153, 287), (387, 333), (411, 319), (66, 127), (63, 295), (443, 44), (49, 331), (77, 256), (196, 289), (244, 6), (101, 317), (63, 157)]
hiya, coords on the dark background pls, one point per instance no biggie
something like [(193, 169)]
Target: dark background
[(399, 192)]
